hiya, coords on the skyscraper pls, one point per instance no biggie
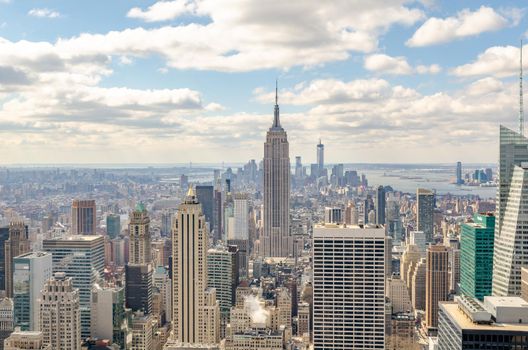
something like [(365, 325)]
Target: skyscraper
[(476, 256), (32, 271), (298, 167), (4, 236), (113, 225), (320, 158), (276, 238), (81, 257), (196, 314), (138, 229), (17, 244), (241, 216), (436, 283), (348, 313), (425, 212), (108, 312), (138, 272), (204, 193), (509, 251), (83, 217), (380, 205), (60, 318), (459, 180)]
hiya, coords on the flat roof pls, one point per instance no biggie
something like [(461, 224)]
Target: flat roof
[(464, 322), (77, 238)]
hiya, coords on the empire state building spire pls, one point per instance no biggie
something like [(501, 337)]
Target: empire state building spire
[(276, 117)]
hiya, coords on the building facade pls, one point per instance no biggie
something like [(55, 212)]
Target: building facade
[(425, 200), (83, 217), (436, 283)]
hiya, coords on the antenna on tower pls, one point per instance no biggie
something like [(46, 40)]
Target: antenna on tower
[(521, 112)]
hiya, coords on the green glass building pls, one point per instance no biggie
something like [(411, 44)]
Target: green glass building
[(476, 256)]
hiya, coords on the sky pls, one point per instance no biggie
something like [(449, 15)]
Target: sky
[(178, 81)]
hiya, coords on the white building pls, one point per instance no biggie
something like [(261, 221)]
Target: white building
[(26, 340), (348, 287), (241, 216), (60, 316)]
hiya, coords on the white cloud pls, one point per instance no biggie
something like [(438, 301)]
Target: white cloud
[(498, 61), (396, 65), (43, 13), (163, 10), (465, 23)]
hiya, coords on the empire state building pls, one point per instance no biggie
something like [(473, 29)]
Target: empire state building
[(276, 238)]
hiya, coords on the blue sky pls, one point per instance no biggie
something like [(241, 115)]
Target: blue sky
[(192, 80)]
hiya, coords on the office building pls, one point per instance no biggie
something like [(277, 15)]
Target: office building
[(60, 317), (81, 257), (425, 202), (418, 239), (113, 225), (276, 237), (380, 205), (298, 167), (348, 313), (205, 195), (220, 276), (26, 340), (17, 244), (7, 319), (497, 323), (138, 230), (333, 215), (4, 236), (398, 294), (417, 287), (109, 319), (509, 252), (32, 271), (436, 283), (241, 216), (142, 333), (476, 256), (196, 313), (459, 180), (83, 217)]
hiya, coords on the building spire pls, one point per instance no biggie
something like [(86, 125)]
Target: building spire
[(276, 120), (521, 112)]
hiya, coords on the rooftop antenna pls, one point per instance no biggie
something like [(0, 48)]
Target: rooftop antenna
[(521, 112)]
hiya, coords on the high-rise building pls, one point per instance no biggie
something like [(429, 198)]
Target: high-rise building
[(7, 319), (108, 314), (17, 244), (60, 317), (241, 216), (425, 201), (141, 331), (276, 238), (436, 283), (298, 167), (348, 313), (81, 257), (509, 252), (459, 180), (398, 295), (4, 236), (205, 194), (113, 225), (26, 340), (32, 271), (83, 217), (476, 256), (138, 272), (380, 205), (320, 158), (196, 314), (418, 285), (498, 323), (333, 215)]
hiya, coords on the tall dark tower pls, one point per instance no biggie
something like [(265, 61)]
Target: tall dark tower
[(276, 239)]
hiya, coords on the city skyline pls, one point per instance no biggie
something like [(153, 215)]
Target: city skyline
[(373, 88)]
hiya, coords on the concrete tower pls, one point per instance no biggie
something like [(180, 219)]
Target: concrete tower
[(276, 238), (17, 244), (196, 313), (83, 217)]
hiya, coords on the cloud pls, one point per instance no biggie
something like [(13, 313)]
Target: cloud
[(466, 23), (163, 10), (396, 65), (498, 61), (43, 13)]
